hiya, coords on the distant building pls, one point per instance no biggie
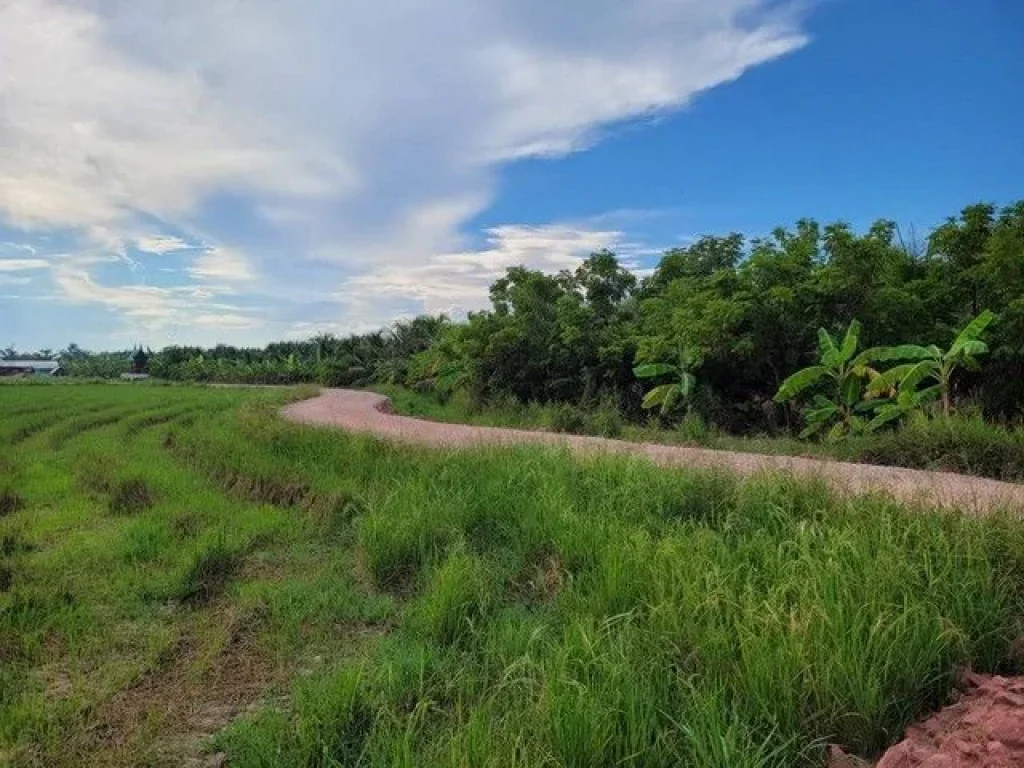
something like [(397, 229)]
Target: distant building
[(134, 376), (29, 368)]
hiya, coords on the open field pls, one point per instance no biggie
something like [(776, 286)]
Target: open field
[(182, 572)]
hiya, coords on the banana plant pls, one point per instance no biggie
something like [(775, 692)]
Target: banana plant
[(929, 364), (900, 404), (847, 374), (680, 389)]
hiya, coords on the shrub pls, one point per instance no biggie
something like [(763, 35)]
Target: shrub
[(605, 420), (567, 418), (965, 444)]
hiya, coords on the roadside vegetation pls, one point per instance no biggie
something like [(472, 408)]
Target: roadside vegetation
[(725, 341), (182, 572), (963, 442)]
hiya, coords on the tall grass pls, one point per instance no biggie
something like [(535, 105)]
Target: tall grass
[(685, 618), (501, 607)]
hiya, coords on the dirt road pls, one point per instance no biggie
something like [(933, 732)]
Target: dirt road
[(367, 412)]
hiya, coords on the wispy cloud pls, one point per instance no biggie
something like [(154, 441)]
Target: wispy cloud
[(152, 308), (18, 265), (161, 244), (316, 147), (220, 264)]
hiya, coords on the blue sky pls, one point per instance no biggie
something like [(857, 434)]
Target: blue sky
[(189, 173)]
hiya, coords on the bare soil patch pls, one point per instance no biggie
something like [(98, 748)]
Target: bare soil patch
[(983, 728), (167, 716)]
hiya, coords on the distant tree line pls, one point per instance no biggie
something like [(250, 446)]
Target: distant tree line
[(738, 316)]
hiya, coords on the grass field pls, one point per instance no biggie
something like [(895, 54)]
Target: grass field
[(181, 572)]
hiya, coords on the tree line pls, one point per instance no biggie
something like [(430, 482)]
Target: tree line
[(734, 318)]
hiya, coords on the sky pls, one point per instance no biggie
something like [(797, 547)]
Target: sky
[(242, 171)]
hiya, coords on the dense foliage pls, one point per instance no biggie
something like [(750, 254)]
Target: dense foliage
[(752, 313), (737, 317)]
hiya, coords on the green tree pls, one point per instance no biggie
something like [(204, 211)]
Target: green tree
[(140, 361)]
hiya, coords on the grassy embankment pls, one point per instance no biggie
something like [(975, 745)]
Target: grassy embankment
[(175, 559), (965, 444)]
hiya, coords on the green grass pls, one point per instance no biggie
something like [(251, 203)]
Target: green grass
[(960, 443), (381, 605)]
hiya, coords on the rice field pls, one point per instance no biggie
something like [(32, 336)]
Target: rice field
[(182, 574)]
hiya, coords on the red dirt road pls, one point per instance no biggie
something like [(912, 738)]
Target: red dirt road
[(368, 412)]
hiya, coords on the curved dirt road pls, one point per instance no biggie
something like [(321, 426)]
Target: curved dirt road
[(368, 412)]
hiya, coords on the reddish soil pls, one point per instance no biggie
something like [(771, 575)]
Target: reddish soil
[(368, 412), (983, 729)]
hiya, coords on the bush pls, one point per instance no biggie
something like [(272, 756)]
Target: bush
[(965, 444), (567, 418), (605, 420)]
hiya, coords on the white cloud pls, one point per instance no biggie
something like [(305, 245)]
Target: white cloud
[(161, 244), (219, 264), (93, 134), (459, 281), (305, 330), (225, 320), (359, 137), (17, 265), (149, 309), (22, 247)]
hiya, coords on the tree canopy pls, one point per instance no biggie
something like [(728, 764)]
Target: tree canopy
[(747, 311)]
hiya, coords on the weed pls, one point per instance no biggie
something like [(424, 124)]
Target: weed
[(130, 496), (397, 549), (11, 543), (541, 577), (605, 421), (208, 573), (568, 418), (336, 511), (10, 502), (459, 594), (303, 392), (74, 427), (185, 525)]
